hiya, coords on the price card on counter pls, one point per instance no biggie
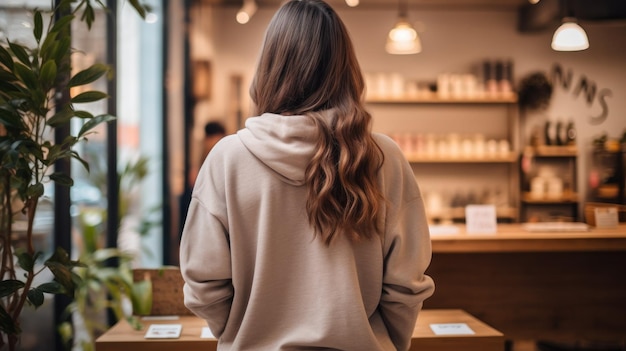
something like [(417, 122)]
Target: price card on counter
[(451, 329), (606, 217), (481, 219), (164, 331)]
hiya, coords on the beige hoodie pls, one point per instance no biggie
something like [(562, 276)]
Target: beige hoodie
[(256, 273)]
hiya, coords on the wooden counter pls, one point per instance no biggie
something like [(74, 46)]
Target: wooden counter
[(513, 238), (121, 337), (566, 287)]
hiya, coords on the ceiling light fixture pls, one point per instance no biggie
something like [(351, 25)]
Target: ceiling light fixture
[(352, 3), (247, 11), (403, 38), (569, 36)]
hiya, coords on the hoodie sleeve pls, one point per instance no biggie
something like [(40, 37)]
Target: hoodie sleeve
[(407, 251), (205, 254)]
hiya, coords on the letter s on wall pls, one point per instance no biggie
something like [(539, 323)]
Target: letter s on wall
[(605, 108)]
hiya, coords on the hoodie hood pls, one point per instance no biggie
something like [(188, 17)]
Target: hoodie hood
[(285, 144)]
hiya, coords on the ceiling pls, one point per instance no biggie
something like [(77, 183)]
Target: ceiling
[(424, 4)]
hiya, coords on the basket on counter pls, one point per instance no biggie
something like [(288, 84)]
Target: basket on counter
[(590, 211)]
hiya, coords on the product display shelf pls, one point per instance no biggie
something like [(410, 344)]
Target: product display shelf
[(547, 204), (458, 213), (529, 198), (436, 99), (611, 169), (510, 157), (482, 163)]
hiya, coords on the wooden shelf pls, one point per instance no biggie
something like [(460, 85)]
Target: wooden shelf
[(565, 199), (459, 213), (511, 157), (553, 151), (435, 99)]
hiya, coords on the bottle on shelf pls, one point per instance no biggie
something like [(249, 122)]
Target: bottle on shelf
[(571, 133)]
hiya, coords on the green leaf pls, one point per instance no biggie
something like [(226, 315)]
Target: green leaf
[(62, 49), (7, 75), (92, 123), (11, 118), (54, 153), (89, 96), (48, 74), (20, 52), (134, 322), (138, 7), (35, 191), (25, 260), (63, 275), (105, 254), (62, 179), (85, 164), (88, 15), (61, 256), (60, 118), (35, 296), (62, 23), (26, 75), (37, 31), (66, 332), (83, 114), (7, 325), (61, 267), (88, 75), (9, 286), (6, 58), (52, 288), (47, 47), (141, 297)]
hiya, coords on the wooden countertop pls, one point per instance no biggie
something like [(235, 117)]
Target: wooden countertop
[(121, 337), (514, 238)]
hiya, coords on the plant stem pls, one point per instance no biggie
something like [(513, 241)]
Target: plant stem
[(31, 205), (7, 250)]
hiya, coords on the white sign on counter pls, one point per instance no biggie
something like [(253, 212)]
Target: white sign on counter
[(451, 329), (481, 219)]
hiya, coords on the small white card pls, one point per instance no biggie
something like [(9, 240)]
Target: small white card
[(164, 331), (206, 333), (606, 217), (481, 219), (451, 329)]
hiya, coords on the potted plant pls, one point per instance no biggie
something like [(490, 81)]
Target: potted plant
[(30, 79)]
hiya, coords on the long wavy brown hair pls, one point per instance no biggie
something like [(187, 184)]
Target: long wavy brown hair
[(308, 67)]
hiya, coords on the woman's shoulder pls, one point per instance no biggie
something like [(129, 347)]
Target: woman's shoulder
[(227, 146), (388, 146)]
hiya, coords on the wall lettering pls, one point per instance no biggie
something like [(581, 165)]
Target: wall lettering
[(584, 86)]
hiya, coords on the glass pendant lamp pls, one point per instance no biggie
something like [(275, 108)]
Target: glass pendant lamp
[(570, 37), (403, 38)]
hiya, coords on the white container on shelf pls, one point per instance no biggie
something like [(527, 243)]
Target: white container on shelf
[(538, 187)]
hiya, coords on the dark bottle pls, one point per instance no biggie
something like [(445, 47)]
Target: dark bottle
[(571, 133), (547, 134), (561, 134)]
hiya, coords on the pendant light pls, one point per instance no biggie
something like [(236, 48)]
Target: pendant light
[(569, 36), (403, 38), (246, 12)]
